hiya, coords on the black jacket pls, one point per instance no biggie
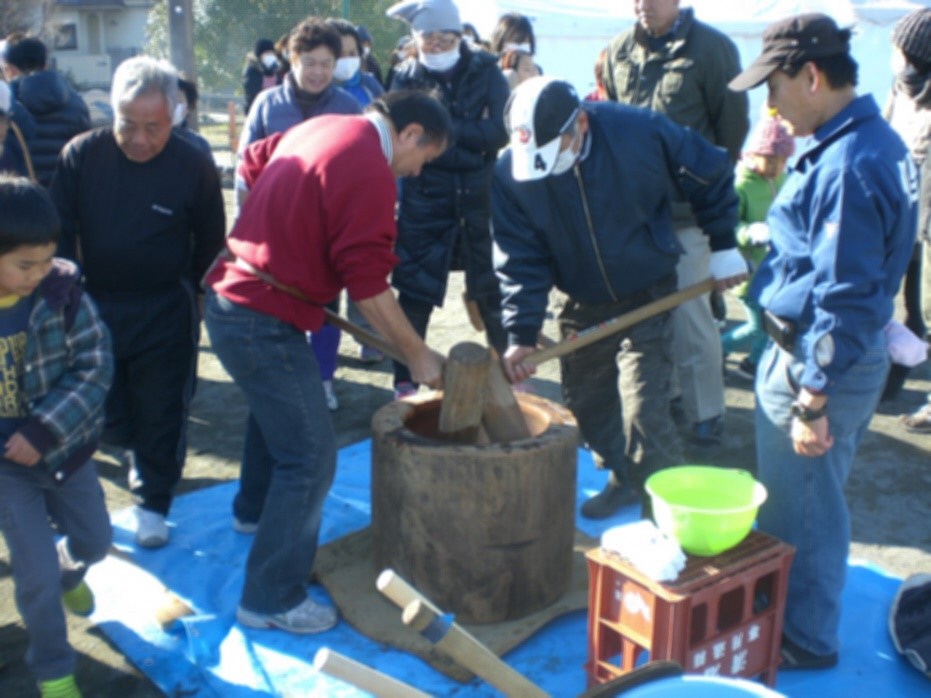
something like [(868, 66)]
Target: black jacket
[(444, 213), (59, 112)]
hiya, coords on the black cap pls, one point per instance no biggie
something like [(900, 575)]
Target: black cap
[(792, 42), (263, 46)]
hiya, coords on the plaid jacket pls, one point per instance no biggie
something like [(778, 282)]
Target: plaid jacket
[(67, 370)]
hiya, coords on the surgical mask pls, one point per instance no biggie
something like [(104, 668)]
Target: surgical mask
[(269, 60), (346, 68), (565, 160), (518, 47), (439, 62)]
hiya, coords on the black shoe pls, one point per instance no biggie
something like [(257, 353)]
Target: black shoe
[(795, 658), (708, 432), (610, 500)]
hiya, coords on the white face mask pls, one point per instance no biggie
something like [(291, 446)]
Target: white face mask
[(565, 160), (346, 68), (269, 60), (439, 62), (518, 47)]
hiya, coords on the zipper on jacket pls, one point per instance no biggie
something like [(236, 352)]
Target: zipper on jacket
[(683, 170), (591, 232)]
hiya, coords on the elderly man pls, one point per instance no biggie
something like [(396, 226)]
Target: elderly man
[(142, 211), (320, 218), (582, 201), (843, 227), (673, 64)]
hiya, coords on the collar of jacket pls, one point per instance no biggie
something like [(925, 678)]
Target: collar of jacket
[(682, 27), (860, 109)]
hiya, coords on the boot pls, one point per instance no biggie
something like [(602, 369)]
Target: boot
[(610, 500)]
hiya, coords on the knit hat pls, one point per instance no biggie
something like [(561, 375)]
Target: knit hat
[(6, 98), (364, 34), (428, 15), (772, 138), (263, 46), (912, 34)]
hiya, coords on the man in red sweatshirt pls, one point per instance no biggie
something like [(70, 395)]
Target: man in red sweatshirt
[(319, 218)]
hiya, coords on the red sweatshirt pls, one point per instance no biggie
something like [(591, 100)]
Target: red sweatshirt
[(319, 218)]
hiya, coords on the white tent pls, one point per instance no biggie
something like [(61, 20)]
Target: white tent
[(571, 33)]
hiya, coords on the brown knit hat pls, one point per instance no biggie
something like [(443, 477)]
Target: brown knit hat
[(912, 34)]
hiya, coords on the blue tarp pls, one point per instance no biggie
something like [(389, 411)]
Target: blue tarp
[(207, 654)]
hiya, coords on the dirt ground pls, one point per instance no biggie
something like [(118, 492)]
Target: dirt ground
[(888, 491)]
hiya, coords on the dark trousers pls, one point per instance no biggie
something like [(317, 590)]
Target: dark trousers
[(618, 387), (418, 313), (155, 338)]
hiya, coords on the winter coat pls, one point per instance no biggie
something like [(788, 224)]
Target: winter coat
[(59, 112), (443, 219)]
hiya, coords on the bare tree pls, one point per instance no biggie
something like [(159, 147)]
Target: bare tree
[(29, 16)]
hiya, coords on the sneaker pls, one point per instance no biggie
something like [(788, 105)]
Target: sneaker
[(610, 500), (919, 421), (80, 600), (370, 355), (404, 389), (797, 658), (65, 687), (332, 403), (245, 527), (746, 369), (708, 432), (151, 529), (305, 618)]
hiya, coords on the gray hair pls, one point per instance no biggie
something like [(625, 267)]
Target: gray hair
[(141, 75)]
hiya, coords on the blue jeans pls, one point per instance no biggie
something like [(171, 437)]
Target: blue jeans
[(806, 505), (34, 510), (289, 455)]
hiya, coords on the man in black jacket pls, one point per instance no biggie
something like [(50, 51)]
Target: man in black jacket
[(443, 220), (59, 112), (144, 209)]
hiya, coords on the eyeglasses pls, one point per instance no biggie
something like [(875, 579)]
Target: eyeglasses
[(437, 40)]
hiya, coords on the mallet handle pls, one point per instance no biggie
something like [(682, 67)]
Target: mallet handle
[(363, 677)]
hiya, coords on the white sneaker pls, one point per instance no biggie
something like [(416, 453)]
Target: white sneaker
[(151, 529), (331, 402), (305, 618)]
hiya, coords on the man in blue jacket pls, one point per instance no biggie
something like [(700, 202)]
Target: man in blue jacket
[(581, 201), (843, 227)]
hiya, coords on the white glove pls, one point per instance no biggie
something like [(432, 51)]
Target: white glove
[(758, 233), (727, 263), (904, 346)]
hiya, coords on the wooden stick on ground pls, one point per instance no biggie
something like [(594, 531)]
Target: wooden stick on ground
[(451, 639), (363, 677)]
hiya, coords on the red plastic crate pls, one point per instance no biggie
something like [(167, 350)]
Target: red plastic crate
[(721, 616)]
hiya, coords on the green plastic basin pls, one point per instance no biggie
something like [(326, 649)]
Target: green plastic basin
[(707, 509)]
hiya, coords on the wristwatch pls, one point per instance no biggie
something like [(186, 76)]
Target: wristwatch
[(807, 414)]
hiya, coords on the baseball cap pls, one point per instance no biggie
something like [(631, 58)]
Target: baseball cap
[(792, 42), (539, 111)]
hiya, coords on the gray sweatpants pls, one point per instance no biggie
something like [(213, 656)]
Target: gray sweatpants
[(34, 511)]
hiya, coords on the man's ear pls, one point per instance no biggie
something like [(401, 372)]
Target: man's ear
[(814, 77), (411, 132)]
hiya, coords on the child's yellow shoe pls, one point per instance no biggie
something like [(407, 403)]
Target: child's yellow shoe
[(80, 600), (65, 687)]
